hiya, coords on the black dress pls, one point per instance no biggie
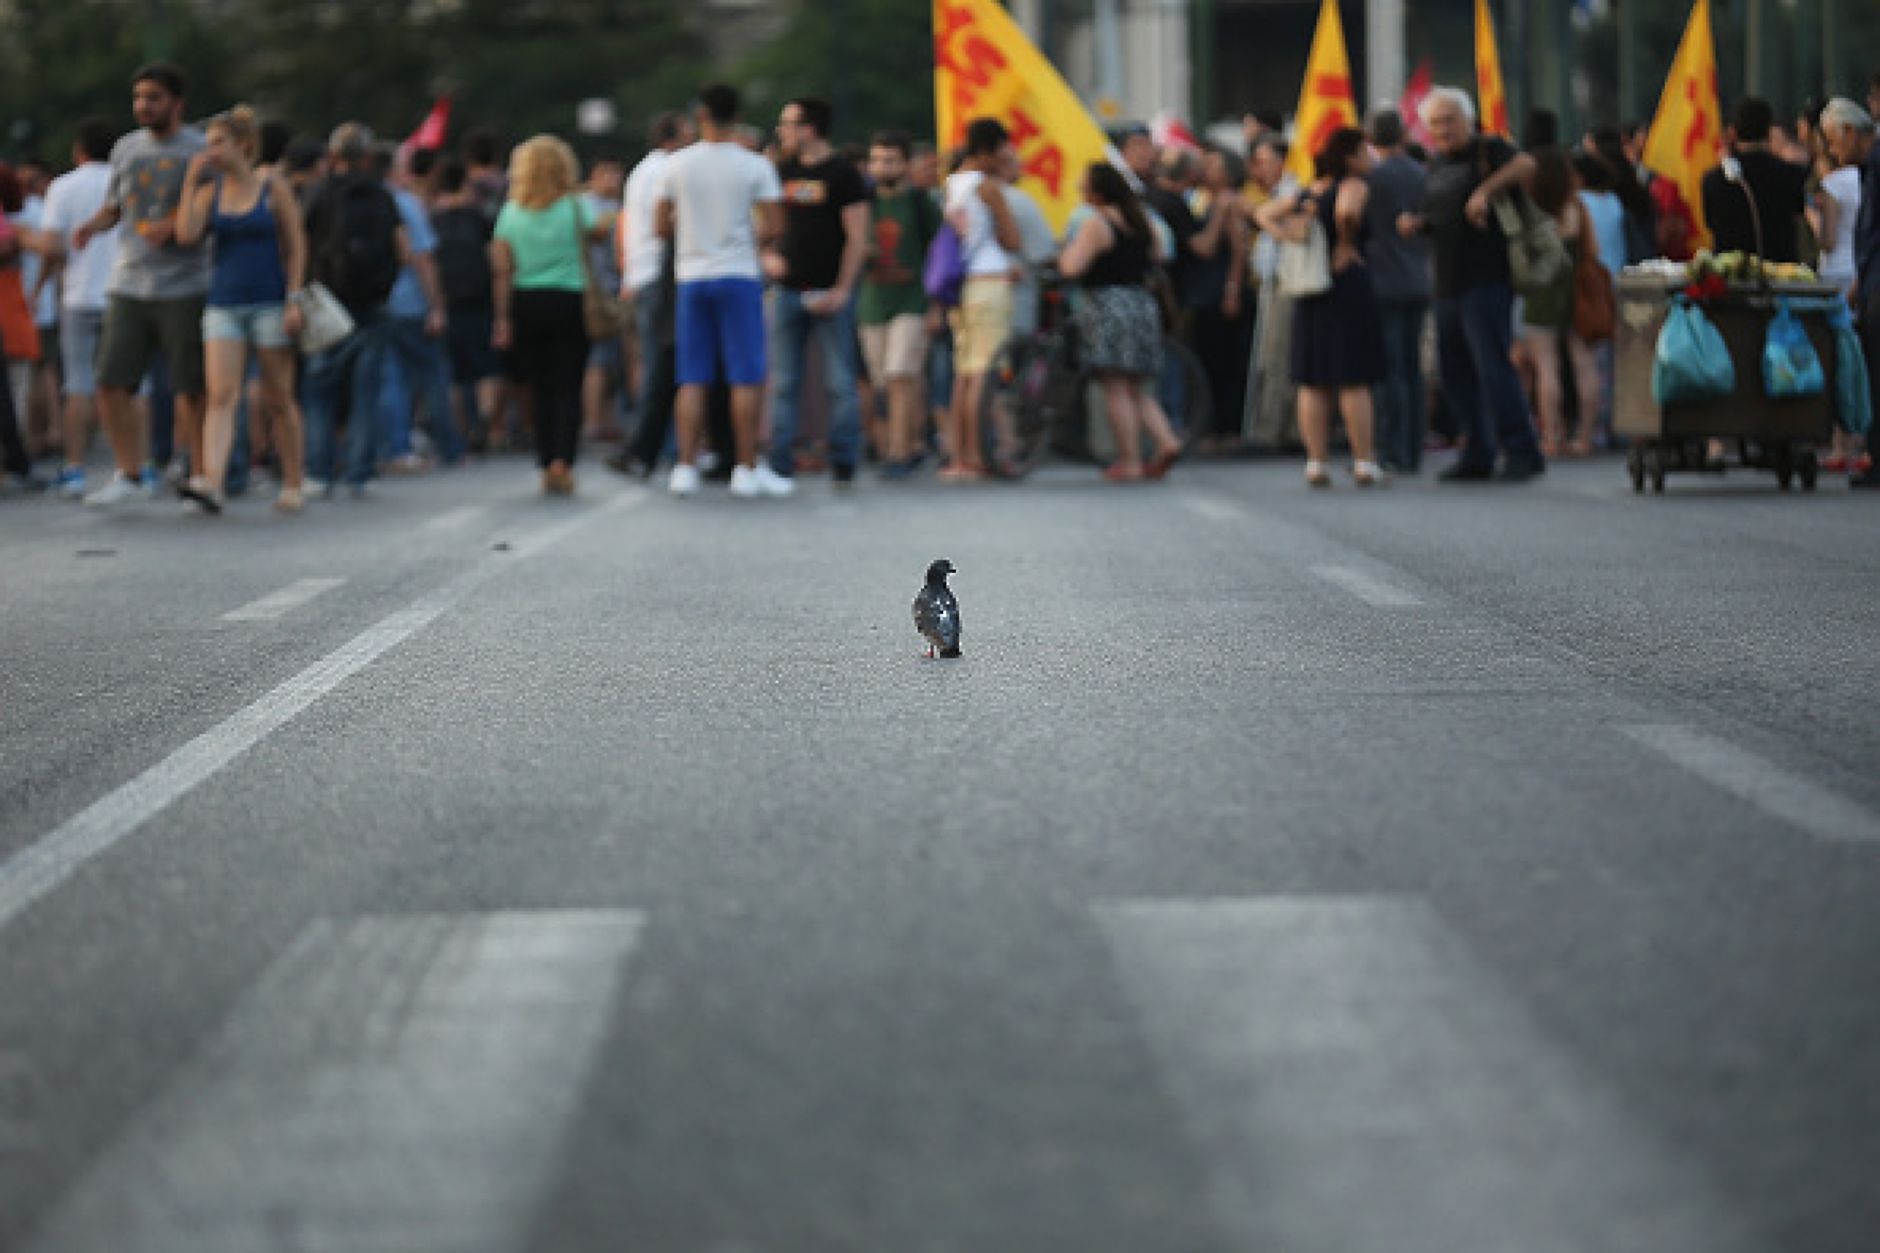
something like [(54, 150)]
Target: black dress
[(1338, 340)]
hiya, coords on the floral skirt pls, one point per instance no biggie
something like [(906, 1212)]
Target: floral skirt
[(1120, 329)]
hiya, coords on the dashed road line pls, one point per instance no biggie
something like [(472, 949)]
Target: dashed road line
[(1779, 793), (451, 519), (288, 599), (1367, 588), (41, 867)]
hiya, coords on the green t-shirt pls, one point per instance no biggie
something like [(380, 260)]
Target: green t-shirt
[(903, 224), (548, 252)]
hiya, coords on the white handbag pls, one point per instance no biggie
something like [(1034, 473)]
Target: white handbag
[(1305, 265), (324, 321)]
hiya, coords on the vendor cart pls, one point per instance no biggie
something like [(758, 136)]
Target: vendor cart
[(1779, 436)]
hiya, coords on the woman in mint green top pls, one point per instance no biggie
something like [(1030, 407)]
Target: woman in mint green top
[(536, 262)]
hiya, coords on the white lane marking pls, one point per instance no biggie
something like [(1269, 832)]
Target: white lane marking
[(1370, 590), (42, 866), (1357, 1079), (275, 604), (390, 1083), (1781, 795), (451, 519), (1214, 510)]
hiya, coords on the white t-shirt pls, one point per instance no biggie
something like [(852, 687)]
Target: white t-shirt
[(980, 239), (644, 251), (714, 189), (71, 201), (1837, 254)]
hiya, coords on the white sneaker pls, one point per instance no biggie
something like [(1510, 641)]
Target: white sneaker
[(771, 483), (120, 489), (683, 481), (744, 484)]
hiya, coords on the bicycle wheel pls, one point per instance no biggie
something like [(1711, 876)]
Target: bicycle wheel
[(1022, 400), (1185, 394)]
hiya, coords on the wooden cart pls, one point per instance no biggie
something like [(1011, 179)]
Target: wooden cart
[(1779, 436)]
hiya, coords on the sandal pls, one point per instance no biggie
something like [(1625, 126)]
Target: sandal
[(1117, 472), (1317, 475), (1158, 466)]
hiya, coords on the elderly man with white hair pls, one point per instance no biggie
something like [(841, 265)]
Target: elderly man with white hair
[(1474, 291), (1855, 143)]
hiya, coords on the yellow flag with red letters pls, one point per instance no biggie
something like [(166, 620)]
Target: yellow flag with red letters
[(1686, 138), (984, 66), (1491, 98), (1325, 101)]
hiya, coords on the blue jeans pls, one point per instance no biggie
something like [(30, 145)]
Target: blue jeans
[(791, 330), (345, 378), (417, 364), (1474, 337), (1401, 416)]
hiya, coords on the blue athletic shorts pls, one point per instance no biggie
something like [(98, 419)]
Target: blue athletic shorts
[(721, 320)]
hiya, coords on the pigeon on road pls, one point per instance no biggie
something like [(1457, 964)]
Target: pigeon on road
[(936, 613)]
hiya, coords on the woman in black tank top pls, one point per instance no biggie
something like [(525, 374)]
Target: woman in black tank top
[(1120, 328)]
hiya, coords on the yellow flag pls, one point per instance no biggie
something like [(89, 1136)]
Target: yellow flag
[(1325, 101), (1491, 99), (985, 67), (1686, 138)]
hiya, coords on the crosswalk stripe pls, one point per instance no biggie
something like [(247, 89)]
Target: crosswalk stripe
[(1778, 793), (1358, 1080), (391, 1083), (287, 599)]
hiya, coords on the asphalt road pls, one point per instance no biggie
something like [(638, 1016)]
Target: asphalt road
[(1439, 868)]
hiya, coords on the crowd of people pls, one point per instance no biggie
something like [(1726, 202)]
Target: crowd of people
[(749, 306)]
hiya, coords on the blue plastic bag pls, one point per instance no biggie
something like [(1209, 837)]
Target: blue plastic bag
[(1790, 366), (1691, 363), (945, 273)]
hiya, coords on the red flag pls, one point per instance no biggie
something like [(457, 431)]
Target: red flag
[(1411, 105), (430, 132), (1169, 131)]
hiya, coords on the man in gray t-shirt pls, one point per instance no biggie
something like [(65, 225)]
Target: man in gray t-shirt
[(157, 286)]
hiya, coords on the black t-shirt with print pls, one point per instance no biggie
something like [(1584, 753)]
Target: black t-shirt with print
[(813, 199), (1465, 256)]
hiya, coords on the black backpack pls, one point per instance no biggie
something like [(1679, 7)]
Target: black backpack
[(463, 254), (356, 244)]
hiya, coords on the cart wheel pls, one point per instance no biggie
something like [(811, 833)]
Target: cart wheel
[(1782, 461), (1635, 466), (1655, 467), (1807, 469)]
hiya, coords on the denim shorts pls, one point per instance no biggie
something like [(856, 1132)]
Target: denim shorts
[(79, 333), (259, 325)]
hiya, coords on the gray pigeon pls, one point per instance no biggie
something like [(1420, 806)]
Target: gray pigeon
[(936, 613)]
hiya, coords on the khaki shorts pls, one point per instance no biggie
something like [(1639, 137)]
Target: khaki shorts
[(897, 348), (981, 324), (133, 332)]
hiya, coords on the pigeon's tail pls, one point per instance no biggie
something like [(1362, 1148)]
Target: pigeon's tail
[(949, 652)]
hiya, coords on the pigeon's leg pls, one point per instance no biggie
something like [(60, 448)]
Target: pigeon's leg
[(929, 653)]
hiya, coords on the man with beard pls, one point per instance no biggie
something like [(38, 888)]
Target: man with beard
[(157, 286)]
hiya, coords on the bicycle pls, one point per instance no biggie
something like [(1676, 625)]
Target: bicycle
[(1040, 399)]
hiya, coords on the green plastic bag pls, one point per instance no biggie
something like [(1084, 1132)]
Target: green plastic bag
[(1853, 390), (1691, 363)]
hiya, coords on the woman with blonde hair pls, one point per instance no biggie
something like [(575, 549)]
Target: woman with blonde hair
[(260, 261), (537, 265)]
